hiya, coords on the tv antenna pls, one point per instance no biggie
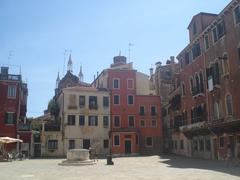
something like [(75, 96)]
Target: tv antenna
[(129, 50)]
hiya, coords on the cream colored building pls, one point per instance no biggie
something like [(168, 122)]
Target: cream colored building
[(85, 118)]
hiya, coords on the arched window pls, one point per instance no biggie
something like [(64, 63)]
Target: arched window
[(225, 64), (197, 89), (217, 110), (201, 82), (191, 84), (229, 105)]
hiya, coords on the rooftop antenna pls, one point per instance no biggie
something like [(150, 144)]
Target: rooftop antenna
[(129, 50), (9, 57), (64, 60), (20, 70)]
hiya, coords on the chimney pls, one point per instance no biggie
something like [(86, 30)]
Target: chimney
[(151, 72), (4, 70), (94, 80), (97, 80), (158, 64), (172, 59)]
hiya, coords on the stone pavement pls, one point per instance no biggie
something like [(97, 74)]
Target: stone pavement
[(151, 167)]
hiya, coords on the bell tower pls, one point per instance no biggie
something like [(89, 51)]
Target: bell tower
[(70, 64)]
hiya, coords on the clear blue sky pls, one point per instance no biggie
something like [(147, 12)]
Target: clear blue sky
[(38, 31)]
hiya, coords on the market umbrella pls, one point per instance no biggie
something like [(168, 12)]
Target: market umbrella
[(6, 140)]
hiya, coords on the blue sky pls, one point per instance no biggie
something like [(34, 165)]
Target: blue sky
[(37, 32)]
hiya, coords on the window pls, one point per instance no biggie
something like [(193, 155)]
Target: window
[(11, 91), (237, 14), (10, 118), (71, 120), (105, 121), (105, 102), (213, 75), (130, 84), (194, 28), (130, 100), (116, 83), (81, 120), (201, 144), (81, 101), (153, 111), (116, 99), (154, 123), (208, 144), (181, 144), (52, 144), (196, 89), (225, 64), (216, 110), (221, 29), (206, 40), (181, 63), (116, 140), (116, 121), (92, 102), (229, 105), (201, 88), (214, 31), (195, 145), (72, 104), (221, 142), (131, 121), (191, 84), (196, 50), (218, 31), (149, 141), (92, 120), (105, 143), (71, 144), (141, 109), (142, 123), (187, 58)]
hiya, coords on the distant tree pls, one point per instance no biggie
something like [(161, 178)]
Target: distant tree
[(53, 108)]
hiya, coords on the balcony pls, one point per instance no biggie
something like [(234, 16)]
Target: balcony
[(52, 127), (24, 127), (10, 77)]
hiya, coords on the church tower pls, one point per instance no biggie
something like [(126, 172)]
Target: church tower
[(57, 80), (70, 64), (80, 75)]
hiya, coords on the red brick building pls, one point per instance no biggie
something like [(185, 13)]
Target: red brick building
[(204, 105), (13, 108), (136, 125)]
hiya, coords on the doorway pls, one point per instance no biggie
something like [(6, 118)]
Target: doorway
[(86, 143), (37, 150), (128, 147), (232, 145)]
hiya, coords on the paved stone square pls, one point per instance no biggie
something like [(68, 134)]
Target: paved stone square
[(149, 167)]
